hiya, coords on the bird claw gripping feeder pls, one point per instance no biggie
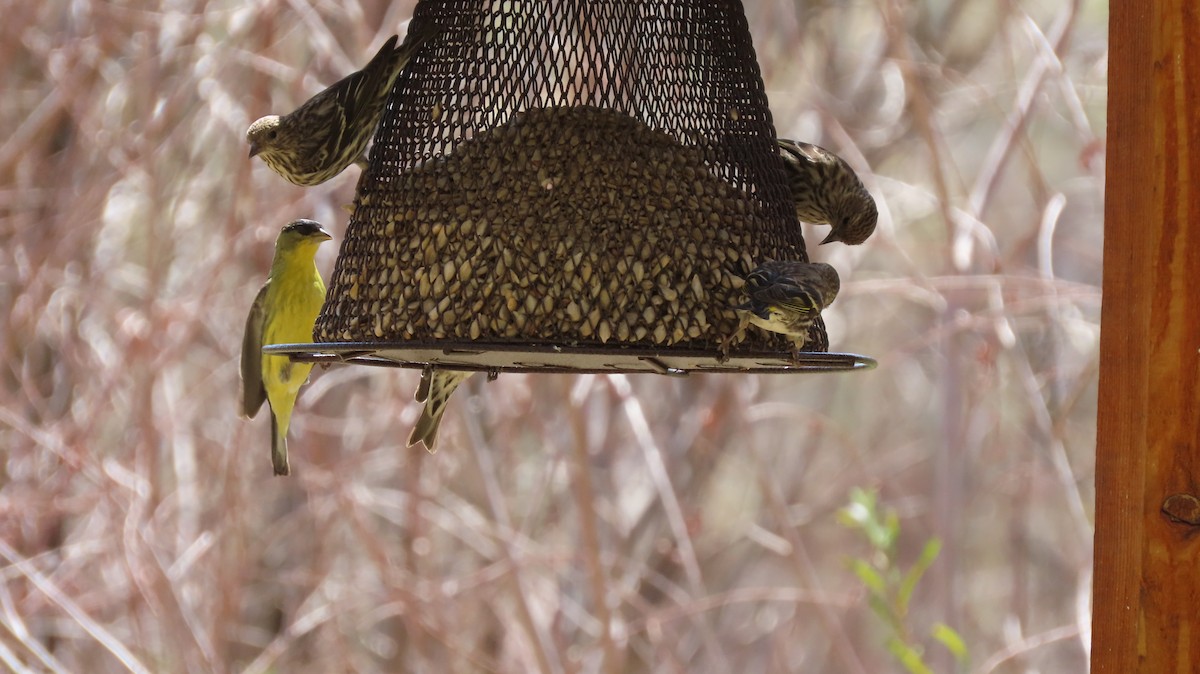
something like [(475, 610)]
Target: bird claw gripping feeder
[(568, 186)]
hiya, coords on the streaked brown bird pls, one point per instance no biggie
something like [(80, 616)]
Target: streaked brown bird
[(786, 297), (827, 191), (330, 131), (435, 390)]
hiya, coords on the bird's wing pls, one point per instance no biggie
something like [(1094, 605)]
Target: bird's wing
[(253, 390), (809, 151), (423, 387), (327, 118), (354, 104), (358, 90), (793, 297), (323, 121)]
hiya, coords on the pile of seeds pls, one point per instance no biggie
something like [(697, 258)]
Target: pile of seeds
[(573, 225)]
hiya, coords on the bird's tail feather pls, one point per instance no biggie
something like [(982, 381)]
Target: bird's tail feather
[(279, 458), (434, 390)]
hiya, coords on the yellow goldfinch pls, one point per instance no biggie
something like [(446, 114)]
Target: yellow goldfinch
[(283, 313)]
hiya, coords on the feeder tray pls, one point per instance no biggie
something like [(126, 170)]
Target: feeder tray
[(568, 185), (579, 359)]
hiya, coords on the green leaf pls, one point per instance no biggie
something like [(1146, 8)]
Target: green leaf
[(928, 556), (864, 497), (909, 656), (880, 538), (892, 527), (883, 611), (861, 510), (852, 516), (869, 577), (951, 640)]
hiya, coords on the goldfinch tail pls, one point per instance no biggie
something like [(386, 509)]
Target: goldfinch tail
[(279, 459)]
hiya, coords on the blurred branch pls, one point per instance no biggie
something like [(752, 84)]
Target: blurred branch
[(60, 598), (653, 456), (1027, 644), (17, 628), (541, 642), (585, 500), (804, 568), (1045, 63)]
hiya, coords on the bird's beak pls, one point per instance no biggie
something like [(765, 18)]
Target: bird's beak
[(325, 234), (832, 237), (254, 149)]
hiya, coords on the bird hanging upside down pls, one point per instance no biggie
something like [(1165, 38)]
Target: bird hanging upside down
[(827, 190), (435, 390), (330, 131)]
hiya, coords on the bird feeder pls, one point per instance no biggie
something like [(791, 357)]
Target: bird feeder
[(568, 186)]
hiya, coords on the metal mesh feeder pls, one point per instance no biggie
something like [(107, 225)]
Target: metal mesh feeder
[(568, 185)]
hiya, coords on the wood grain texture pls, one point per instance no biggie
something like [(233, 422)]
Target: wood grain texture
[(1146, 614)]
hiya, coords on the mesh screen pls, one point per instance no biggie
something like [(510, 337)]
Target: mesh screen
[(568, 172)]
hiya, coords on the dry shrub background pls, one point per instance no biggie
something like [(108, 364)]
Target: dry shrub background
[(568, 524)]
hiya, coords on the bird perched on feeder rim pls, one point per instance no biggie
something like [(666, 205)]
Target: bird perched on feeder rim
[(283, 312), (435, 390), (330, 131), (786, 297), (827, 190)]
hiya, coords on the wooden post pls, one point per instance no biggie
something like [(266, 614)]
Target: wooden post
[(1146, 615)]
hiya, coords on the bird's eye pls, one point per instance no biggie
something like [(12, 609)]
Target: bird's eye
[(272, 134)]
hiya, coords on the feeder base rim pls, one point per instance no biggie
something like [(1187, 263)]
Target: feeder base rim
[(496, 358)]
